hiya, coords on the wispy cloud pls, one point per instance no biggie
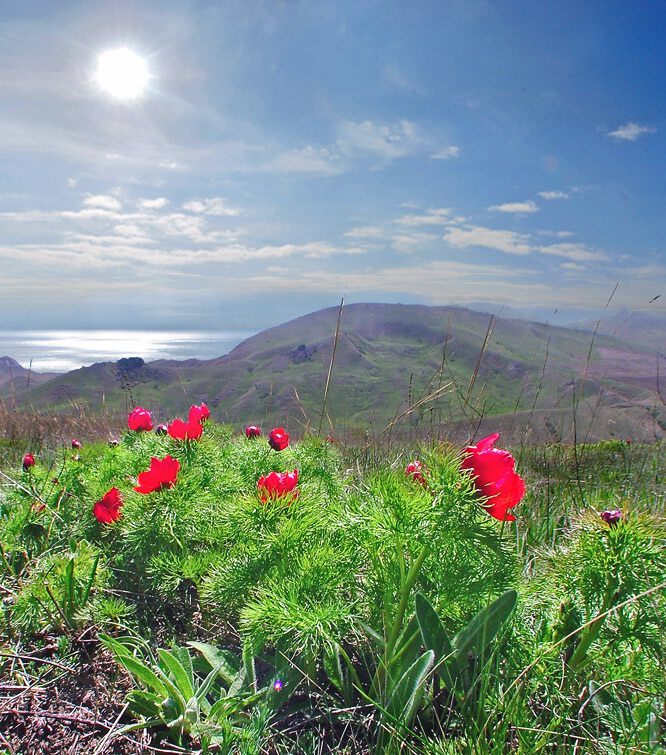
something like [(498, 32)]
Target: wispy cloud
[(630, 132), (438, 216), (527, 207), (317, 161), (153, 204), (446, 153), (512, 242), (572, 251), (549, 195), (384, 140), (365, 232), (508, 242), (102, 201), (214, 206), (410, 243)]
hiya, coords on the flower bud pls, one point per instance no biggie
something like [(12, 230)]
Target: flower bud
[(252, 431), (611, 516)]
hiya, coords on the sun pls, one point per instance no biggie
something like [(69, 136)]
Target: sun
[(122, 73)]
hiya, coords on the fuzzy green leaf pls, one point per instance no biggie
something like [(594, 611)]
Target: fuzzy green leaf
[(407, 693), (435, 638), (226, 663), (477, 635), (169, 661)]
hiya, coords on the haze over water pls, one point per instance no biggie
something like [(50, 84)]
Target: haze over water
[(64, 350)]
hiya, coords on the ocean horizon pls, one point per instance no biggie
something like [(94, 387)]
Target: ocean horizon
[(64, 350)]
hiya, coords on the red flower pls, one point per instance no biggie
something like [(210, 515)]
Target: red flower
[(163, 473), (252, 431), (76, 443), (190, 430), (278, 439), (28, 462), (199, 413), (107, 510), (415, 470), (277, 485), (495, 477), (140, 419)]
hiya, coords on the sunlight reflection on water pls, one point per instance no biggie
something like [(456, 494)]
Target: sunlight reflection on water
[(63, 350)]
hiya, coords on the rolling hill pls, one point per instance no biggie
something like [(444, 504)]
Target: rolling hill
[(523, 377)]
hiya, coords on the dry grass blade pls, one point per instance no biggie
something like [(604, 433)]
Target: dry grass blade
[(330, 367)]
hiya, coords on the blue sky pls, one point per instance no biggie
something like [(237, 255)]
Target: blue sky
[(287, 153)]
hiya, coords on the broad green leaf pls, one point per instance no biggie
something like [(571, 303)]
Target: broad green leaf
[(180, 677), (407, 693), (205, 687), (435, 638), (146, 704), (226, 663), (477, 635), (143, 674), (183, 656)]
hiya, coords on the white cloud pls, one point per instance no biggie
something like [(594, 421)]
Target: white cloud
[(322, 161), (573, 266), (409, 243), (512, 242), (103, 202), (553, 195), (387, 141), (572, 251), (153, 204), (365, 232), (439, 216), (630, 132), (528, 206), (509, 242), (446, 153), (213, 206)]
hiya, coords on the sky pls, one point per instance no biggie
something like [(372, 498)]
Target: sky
[(286, 154)]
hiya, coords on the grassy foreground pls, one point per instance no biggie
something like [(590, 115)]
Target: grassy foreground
[(358, 611)]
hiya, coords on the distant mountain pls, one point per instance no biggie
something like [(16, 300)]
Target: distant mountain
[(526, 376), (635, 327), (15, 379)]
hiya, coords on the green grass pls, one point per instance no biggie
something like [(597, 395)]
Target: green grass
[(321, 592)]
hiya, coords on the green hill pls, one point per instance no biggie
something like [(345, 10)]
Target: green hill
[(390, 357)]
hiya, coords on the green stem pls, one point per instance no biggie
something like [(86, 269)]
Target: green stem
[(405, 592)]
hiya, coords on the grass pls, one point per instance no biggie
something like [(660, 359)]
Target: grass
[(540, 636)]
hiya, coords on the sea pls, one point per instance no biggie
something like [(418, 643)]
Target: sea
[(64, 350)]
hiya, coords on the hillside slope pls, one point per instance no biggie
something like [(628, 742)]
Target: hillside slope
[(388, 357)]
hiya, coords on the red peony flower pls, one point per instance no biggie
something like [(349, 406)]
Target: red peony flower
[(252, 431), (28, 462), (190, 430), (415, 470), (277, 485), (140, 419), (163, 473), (199, 413), (76, 443), (495, 477), (107, 510), (278, 439)]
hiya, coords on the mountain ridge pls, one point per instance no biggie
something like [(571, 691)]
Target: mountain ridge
[(389, 356)]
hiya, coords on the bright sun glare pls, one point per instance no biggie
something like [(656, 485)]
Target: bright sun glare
[(122, 73)]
